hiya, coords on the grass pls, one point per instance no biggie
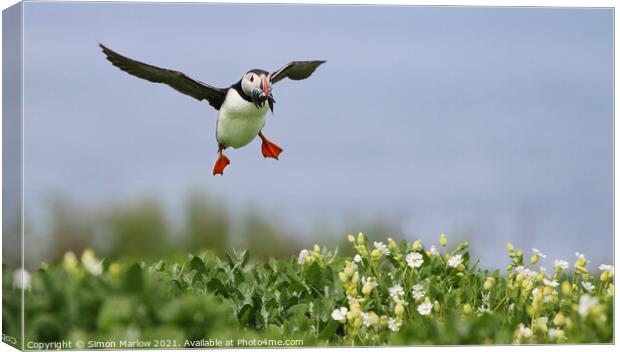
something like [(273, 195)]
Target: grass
[(387, 294)]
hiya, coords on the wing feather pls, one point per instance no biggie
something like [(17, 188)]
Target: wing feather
[(296, 70), (175, 79)]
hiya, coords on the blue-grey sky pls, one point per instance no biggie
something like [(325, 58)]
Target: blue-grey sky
[(496, 122)]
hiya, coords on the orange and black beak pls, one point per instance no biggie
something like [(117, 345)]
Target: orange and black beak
[(264, 86)]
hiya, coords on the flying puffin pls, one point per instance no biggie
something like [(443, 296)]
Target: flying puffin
[(242, 109)]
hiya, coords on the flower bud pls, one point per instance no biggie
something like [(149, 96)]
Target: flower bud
[(534, 259), (443, 240), (317, 248), (392, 245), (373, 318), (540, 324), (488, 283), (342, 277), (70, 262), (384, 319), (466, 308), (460, 267), (416, 245), (558, 320), (355, 278), (350, 238), (399, 309), (367, 289), (349, 269), (361, 240), (436, 306), (604, 276), (566, 288), (376, 254), (115, 269), (510, 247)]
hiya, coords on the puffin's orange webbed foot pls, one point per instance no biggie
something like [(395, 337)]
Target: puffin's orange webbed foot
[(270, 150), (220, 164)]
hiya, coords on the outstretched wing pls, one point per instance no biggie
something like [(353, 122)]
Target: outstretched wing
[(296, 70), (175, 79)]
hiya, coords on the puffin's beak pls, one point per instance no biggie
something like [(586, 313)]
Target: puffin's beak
[(265, 87)]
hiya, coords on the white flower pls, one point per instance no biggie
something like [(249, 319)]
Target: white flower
[(303, 255), (484, 310), (425, 308), (417, 291), (366, 319), (433, 250), (382, 247), (586, 302), (551, 283), (607, 268), (538, 253), (397, 293), (527, 273), (414, 260), (580, 255), (561, 264), (556, 334), (357, 258), (394, 324), (370, 281), (340, 314), (524, 331), (535, 293), (22, 279), (90, 262), (455, 260), (587, 286)]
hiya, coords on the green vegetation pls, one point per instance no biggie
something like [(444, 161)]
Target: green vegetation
[(386, 294)]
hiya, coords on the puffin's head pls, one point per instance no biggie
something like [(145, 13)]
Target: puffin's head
[(257, 85)]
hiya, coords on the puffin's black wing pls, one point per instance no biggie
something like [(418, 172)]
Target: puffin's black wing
[(296, 70), (175, 79)]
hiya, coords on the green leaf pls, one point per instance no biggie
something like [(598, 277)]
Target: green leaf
[(314, 276), (329, 330), (245, 314), (132, 280), (197, 264), (216, 286)]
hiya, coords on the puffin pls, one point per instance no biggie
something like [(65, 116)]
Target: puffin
[(242, 107)]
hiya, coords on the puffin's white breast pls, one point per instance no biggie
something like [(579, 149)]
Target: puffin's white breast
[(239, 120)]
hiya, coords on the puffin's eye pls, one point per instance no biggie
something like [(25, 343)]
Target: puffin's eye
[(252, 78)]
